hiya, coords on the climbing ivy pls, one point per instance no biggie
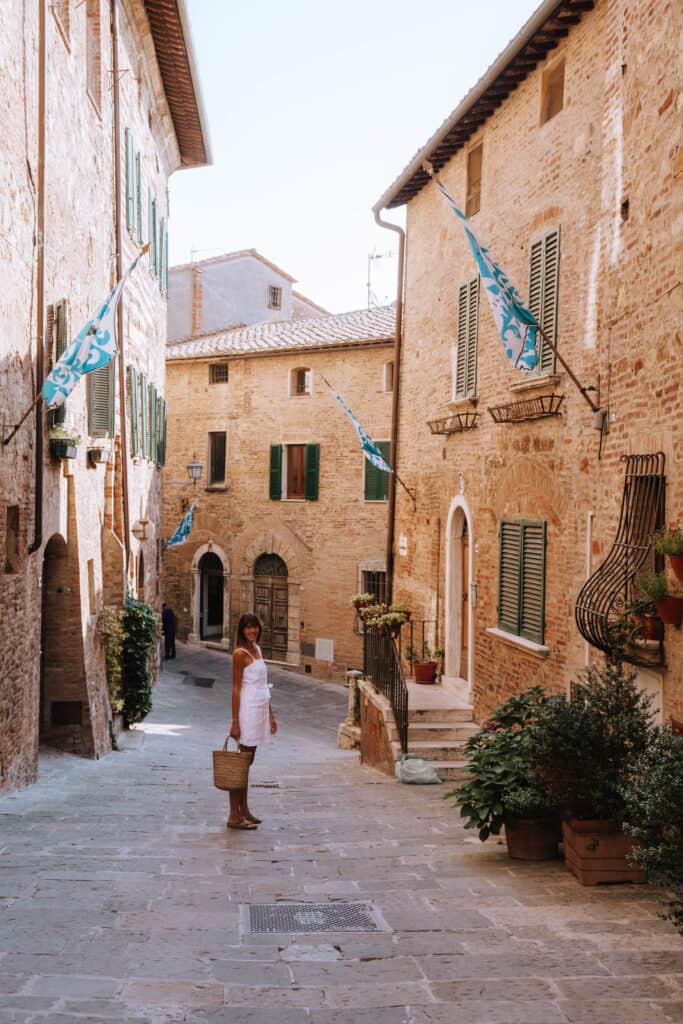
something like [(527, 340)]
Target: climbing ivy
[(141, 629), (110, 626)]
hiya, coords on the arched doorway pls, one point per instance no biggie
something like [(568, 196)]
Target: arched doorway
[(271, 599), (459, 662), (141, 577), (210, 596)]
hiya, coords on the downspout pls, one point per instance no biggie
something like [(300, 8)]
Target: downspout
[(40, 274), (119, 244), (391, 509)]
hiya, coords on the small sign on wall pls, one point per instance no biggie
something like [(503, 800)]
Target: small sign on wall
[(403, 544), (324, 650)]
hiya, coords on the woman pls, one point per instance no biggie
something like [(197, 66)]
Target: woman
[(253, 721)]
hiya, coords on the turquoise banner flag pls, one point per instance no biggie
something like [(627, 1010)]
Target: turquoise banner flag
[(516, 324), (184, 528), (370, 449)]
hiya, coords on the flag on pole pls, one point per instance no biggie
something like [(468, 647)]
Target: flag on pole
[(91, 349), (516, 324), (370, 449), (184, 527)]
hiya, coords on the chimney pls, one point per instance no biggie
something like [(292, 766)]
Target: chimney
[(197, 302)]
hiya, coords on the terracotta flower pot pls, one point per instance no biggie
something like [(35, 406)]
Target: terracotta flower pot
[(670, 610), (651, 627), (425, 671), (596, 852), (677, 565), (533, 838)]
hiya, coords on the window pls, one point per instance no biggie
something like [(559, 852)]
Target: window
[(133, 417), (217, 457), (544, 279), (61, 10), (274, 297), (163, 257), (58, 339), (153, 239), (552, 91), (474, 165), (101, 393), (12, 539), (92, 52), (130, 181), (218, 373), (300, 382), (294, 471), (138, 198), (376, 481), (388, 377), (147, 412), (465, 352), (375, 583), (521, 591)]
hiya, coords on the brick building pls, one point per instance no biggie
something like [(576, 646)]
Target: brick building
[(235, 289), (293, 518), (99, 107), (567, 158)]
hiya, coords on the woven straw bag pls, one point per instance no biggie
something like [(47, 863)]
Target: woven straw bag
[(231, 767)]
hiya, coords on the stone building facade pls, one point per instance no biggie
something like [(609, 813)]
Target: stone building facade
[(121, 113), (567, 158), (290, 523), (235, 289)]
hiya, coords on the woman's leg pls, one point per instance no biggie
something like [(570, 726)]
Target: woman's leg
[(236, 798), (244, 802)]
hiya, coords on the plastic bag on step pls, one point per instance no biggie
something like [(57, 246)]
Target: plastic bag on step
[(415, 771)]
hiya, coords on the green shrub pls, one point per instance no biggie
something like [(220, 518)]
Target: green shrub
[(141, 628), (654, 817), (110, 626)]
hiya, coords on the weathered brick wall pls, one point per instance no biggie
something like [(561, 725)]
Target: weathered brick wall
[(323, 542), (80, 267), (618, 138)]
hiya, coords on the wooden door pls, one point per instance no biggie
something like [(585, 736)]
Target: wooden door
[(271, 604), (465, 576)]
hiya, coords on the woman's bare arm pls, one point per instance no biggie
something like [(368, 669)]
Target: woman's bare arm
[(238, 660)]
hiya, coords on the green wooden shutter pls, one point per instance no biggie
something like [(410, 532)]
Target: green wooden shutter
[(466, 353), (162, 254), (130, 181), (161, 426), (153, 435), (165, 254), (60, 328), (144, 422), (153, 237), (138, 197), (532, 615), (275, 472), (510, 574), (376, 482), (544, 280), (150, 227), (133, 410), (312, 468), (101, 393), (461, 350)]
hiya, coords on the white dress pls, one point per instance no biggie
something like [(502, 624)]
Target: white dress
[(254, 702)]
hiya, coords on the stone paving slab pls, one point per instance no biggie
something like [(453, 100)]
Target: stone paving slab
[(121, 892)]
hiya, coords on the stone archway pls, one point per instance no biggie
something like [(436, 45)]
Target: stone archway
[(272, 542), (271, 604), (210, 595), (459, 662)]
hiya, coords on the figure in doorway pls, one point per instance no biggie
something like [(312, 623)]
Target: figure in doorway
[(253, 721), (168, 628)]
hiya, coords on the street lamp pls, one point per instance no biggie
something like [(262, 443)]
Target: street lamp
[(194, 469)]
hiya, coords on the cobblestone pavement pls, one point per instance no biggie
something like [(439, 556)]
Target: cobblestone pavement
[(122, 893)]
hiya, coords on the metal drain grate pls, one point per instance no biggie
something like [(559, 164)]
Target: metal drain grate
[(264, 785), (283, 918), (205, 681)]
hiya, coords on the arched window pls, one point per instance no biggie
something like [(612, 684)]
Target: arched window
[(388, 376), (300, 381)]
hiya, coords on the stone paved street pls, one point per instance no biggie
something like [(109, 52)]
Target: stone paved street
[(121, 891)]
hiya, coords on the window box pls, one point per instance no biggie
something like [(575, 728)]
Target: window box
[(99, 454), (63, 449)]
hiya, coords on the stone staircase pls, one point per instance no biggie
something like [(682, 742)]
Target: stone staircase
[(439, 725)]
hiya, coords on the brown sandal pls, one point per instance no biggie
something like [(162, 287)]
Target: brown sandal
[(252, 817), (243, 824)]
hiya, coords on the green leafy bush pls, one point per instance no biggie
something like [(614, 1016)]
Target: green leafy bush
[(584, 746), (654, 817), (141, 628), (110, 626), (503, 786)]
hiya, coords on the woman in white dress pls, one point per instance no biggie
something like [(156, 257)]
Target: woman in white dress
[(253, 721)]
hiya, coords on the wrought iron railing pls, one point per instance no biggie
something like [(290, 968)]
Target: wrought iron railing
[(418, 637), (382, 663), (604, 597)]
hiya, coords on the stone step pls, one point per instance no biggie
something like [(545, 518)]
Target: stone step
[(443, 731), (452, 771), (436, 750), (439, 714)]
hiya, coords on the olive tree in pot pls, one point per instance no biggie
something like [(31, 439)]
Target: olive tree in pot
[(584, 747), (654, 818), (502, 787), (655, 587), (670, 543)]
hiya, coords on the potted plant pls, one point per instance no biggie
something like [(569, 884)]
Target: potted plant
[(368, 612), (64, 442), (359, 601), (502, 789), (424, 667), (389, 623), (583, 747), (654, 586), (654, 818), (99, 450), (670, 543), (648, 624), (403, 609)]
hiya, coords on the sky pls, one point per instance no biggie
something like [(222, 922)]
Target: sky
[(313, 110)]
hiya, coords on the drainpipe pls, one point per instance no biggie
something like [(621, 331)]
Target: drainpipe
[(40, 274), (391, 510), (118, 228)]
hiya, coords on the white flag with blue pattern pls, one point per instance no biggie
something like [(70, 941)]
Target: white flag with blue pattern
[(370, 449), (91, 349), (183, 529), (516, 324)]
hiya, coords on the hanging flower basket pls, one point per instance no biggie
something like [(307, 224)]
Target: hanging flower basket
[(62, 449)]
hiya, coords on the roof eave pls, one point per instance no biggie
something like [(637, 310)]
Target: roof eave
[(194, 73), (289, 350)]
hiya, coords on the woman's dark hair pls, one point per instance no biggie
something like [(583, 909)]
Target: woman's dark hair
[(247, 620)]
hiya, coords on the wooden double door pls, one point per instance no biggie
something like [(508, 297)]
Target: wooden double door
[(271, 599)]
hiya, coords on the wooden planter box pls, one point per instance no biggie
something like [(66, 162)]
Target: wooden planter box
[(63, 449), (596, 852), (533, 839)]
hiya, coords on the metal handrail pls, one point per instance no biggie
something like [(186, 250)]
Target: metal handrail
[(382, 664)]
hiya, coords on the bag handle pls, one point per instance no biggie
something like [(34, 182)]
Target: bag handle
[(227, 740)]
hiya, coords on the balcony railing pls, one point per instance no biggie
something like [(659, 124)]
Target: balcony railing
[(382, 663)]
